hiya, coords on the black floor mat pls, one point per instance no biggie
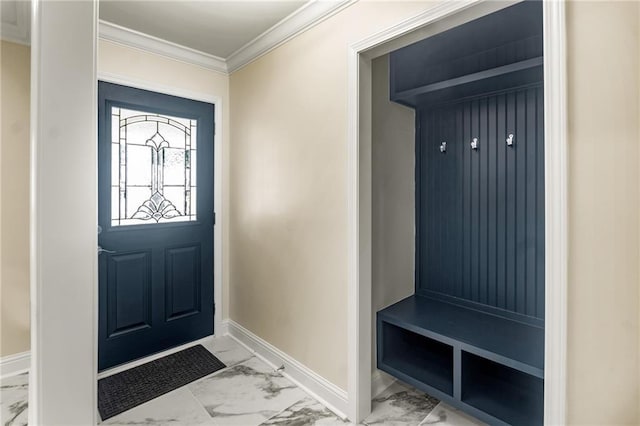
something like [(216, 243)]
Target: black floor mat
[(123, 391)]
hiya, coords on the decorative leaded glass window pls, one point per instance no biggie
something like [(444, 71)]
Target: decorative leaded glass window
[(153, 168)]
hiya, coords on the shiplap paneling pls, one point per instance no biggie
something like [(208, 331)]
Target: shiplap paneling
[(480, 213)]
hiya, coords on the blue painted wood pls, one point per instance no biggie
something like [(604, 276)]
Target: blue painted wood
[(156, 291), (480, 230), (501, 213), (183, 283), (426, 343), (510, 206), (492, 195), (505, 393), (129, 278), (457, 373), (473, 334), (511, 35), (509, 76), (511, 343), (426, 360)]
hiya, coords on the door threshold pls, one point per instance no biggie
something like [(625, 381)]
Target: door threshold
[(123, 367)]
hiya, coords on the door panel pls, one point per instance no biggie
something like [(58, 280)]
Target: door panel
[(182, 282), (156, 216), (129, 293)]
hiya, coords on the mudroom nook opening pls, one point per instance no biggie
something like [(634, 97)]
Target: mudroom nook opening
[(472, 333)]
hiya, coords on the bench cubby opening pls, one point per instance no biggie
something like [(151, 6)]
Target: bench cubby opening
[(503, 392), (426, 360)]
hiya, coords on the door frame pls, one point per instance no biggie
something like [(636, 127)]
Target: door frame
[(217, 188), (359, 173)]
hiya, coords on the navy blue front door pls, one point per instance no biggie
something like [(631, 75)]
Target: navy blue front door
[(155, 212)]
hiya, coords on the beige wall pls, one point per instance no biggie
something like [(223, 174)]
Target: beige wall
[(288, 253), (14, 200), (288, 180), (603, 218), (138, 65), (392, 195)]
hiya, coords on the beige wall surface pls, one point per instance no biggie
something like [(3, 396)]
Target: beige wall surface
[(137, 65), (15, 74), (288, 253), (603, 212), (289, 186), (392, 196)]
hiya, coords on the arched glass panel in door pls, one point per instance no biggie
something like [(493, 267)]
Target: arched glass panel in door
[(153, 168)]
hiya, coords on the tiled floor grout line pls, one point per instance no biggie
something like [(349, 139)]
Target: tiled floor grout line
[(282, 411), (196, 398), (188, 387)]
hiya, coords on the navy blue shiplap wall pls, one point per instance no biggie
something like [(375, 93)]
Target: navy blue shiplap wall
[(480, 213)]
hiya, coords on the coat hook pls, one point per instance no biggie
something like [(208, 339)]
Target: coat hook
[(510, 139), (474, 143), (443, 147)]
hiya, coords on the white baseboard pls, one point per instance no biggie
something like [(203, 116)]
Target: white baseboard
[(318, 387), (380, 381), (223, 329), (15, 364)]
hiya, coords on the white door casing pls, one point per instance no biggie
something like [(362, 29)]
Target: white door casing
[(434, 20)]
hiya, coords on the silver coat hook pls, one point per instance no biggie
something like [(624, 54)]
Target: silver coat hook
[(443, 147), (510, 139), (474, 143)]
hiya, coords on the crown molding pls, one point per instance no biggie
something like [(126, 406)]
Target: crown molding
[(19, 31), (296, 23), (309, 15), (148, 43)]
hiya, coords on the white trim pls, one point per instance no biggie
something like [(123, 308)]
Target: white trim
[(224, 328), (380, 381), (315, 385), (556, 212), (359, 328), (296, 23), (302, 19), (218, 173), (18, 32), (15, 364), (137, 362), (411, 24), (148, 43), (359, 301), (156, 87), (63, 83), (34, 267)]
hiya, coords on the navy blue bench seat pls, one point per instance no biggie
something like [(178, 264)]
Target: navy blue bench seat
[(491, 366)]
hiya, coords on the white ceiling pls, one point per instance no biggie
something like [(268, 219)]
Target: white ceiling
[(215, 27), (222, 35)]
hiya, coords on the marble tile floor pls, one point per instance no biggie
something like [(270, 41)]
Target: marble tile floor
[(14, 394), (249, 393)]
